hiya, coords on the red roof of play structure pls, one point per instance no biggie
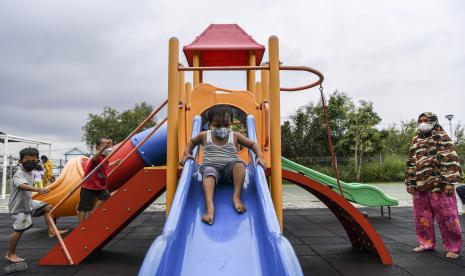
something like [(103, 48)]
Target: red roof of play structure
[(224, 45)]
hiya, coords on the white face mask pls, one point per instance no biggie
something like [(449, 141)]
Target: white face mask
[(221, 132), (107, 151), (425, 127)]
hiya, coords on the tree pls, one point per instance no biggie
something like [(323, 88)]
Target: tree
[(396, 141), (362, 133), (287, 138), (111, 123), (300, 131), (459, 134), (308, 128), (460, 142), (339, 107)]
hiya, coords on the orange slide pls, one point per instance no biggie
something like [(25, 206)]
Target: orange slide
[(151, 153), (71, 176)]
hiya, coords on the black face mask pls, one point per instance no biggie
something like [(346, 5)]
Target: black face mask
[(29, 165)]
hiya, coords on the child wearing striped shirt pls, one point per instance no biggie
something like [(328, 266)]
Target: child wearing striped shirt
[(220, 160)]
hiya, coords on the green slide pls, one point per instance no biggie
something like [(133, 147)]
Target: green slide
[(363, 194)]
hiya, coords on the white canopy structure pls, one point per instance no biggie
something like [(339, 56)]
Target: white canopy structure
[(7, 138)]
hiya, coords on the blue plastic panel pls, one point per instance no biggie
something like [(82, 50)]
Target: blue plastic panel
[(153, 151)]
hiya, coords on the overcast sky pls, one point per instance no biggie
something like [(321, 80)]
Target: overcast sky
[(60, 60)]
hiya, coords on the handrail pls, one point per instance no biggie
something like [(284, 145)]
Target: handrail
[(97, 168), (138, 145), (224, 68), (262, 67), (302, 68)]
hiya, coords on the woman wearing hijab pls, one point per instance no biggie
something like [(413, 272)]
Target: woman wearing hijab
[(432, 171)]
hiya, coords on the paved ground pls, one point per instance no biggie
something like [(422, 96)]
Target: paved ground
[(293, 197), (317, 237)]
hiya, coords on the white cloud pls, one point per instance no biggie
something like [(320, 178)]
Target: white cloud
[(62, 60)]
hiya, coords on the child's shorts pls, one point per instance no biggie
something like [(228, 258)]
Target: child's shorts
[(87, 198), (23, 220), (222, 174)]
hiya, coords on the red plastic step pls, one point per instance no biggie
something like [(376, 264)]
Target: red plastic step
[(111, 217)]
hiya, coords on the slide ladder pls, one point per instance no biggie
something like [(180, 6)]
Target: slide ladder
[(111, 217)]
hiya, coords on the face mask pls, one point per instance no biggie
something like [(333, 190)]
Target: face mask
[(221, 132), (107, 151), (29, 166), (425, 127)]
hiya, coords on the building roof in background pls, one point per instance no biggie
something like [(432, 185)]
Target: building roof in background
[(16, 139), (76, 151)]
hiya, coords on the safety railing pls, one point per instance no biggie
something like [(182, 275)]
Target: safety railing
[(320, 80), (263, 67), (49, 216), (224, 68)]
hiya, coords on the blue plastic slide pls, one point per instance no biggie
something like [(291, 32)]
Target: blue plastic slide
[(247, 244)]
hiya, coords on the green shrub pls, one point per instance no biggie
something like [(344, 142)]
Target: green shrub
[(391, 169)]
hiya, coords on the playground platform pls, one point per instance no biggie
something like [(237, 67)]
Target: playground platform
[(319, 240)]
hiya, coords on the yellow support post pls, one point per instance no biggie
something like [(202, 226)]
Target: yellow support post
[(264, 76), (197, 74), (258, 92), (182, 129), (251, 73), (172, 139), (181, 87), (275, 128), (264, 80), (188, 91)]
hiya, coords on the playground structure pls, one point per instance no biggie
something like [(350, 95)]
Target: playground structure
[(251, 243)]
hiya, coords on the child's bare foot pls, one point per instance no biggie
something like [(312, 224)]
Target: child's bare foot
[(51, 234), (14, 258), (452, 255), (239, 205), (209, 214), (421, 249)]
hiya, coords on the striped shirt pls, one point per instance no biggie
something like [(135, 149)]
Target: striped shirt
[(219, 155)]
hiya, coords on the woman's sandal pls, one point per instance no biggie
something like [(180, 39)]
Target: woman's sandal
[(422, 249), (452, 255)]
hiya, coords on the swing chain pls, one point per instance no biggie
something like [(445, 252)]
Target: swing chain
[(328, 130)]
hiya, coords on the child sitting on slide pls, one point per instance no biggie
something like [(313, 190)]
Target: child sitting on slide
[(220, 160)]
